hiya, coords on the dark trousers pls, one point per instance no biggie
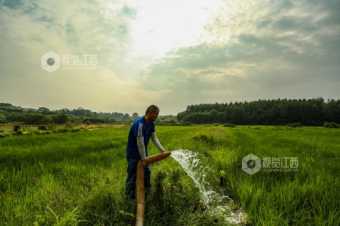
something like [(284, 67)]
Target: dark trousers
[(130, 185)]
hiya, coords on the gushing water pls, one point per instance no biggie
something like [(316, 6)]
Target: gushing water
[(194, 164)]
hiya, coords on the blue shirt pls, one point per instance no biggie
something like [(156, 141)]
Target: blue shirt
[(142, 129)]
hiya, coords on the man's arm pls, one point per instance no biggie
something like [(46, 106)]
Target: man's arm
[(141, 147), (156, 142)]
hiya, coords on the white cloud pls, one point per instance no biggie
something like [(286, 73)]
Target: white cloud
[(171, 53)]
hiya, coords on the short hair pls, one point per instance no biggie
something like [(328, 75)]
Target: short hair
[(152, 109)]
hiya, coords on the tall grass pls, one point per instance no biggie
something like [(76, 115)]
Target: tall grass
[(79, 178)]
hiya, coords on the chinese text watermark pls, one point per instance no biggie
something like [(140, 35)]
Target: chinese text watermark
[(251, 164), (51, 61)]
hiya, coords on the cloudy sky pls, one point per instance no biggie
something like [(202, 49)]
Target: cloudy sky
[(169, 53)]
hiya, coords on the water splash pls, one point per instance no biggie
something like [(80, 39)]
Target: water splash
[(195, 165)]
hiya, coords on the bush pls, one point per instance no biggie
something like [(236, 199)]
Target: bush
[(334, 125), (37, 132), (5, 135), (75, 130), (2, 135), (30, 132), (69, 125), (19, 132), (331, 125), (88, 122), (16, 127), (51, 126), (42, 127)]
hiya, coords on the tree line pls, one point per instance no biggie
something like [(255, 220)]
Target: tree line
[(311, 112), (43, 116)]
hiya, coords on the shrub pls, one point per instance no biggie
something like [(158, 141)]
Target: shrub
[(88, 122), (334, 125), (42, 127), (5, 135), (222, 176), (16, 127), (69, 125), (37, 132), (331, 125), (19, 132), (30, 132), (51, 126), (2, 135)]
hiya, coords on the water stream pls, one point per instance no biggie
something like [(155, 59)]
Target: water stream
[(195, 165)]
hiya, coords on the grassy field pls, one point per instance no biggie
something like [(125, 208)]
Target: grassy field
[(79, 178)]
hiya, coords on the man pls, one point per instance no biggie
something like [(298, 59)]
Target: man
[(140, 132)]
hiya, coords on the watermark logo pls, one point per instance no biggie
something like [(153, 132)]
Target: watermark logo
[(277, 164), (50, 61), (251, 164), (79, 61)]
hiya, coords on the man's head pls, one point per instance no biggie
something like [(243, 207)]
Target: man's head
[(152, 112)]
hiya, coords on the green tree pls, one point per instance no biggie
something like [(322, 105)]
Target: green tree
[(126, 117), (60, 118)]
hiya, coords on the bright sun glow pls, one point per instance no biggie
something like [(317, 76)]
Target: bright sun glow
[(164, 25)]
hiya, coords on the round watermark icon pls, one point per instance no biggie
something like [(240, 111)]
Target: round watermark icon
[(251, 164), (50, 61)]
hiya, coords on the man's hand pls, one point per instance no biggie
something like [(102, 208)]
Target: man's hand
[(144, 163), (164, 151)]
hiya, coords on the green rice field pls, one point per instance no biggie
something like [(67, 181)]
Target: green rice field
[(79, 178)]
